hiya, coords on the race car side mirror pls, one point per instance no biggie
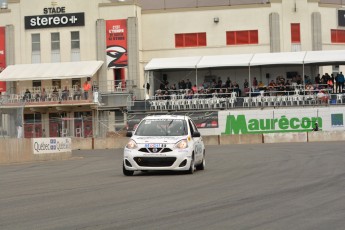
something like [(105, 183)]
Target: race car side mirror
[(196, 134), (129, 134)]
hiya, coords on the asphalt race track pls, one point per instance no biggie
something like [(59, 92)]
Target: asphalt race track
[(268, 186)]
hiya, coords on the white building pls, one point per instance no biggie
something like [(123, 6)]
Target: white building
[(36, 32)]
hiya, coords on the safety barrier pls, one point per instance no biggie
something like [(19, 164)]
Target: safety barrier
[(22, 150), (270, 138), (34, 149)]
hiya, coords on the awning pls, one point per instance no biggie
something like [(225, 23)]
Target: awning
[(173, 63), (325, 57), (47, 71), (225, 60), (284, 58)]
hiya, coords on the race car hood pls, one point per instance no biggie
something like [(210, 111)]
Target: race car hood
[(162, 140)]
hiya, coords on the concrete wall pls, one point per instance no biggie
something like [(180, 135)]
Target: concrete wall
[(240, 139), (326, 136), (110, 142), (284, 137), (21, 150), (81, 143)]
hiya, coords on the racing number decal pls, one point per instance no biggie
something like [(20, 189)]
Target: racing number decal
[(198, 149)]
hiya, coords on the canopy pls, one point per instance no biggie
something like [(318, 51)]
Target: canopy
[(325, 57), (46, 71), (284, 58), (173, 63), (225, 60)]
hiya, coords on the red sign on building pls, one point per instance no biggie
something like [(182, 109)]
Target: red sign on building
[(116, 38), (2, 57)]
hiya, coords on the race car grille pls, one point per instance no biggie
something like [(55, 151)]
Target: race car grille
[(155, 150), (155, 161)]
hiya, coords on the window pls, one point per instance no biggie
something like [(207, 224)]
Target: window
[(55, 47), (75, 42), (75, 46), (295, 33), (338, 36), (75, 82), (36, 83), (242, 37), (35, 48), (56, 83), (55, 41), (190, 40)]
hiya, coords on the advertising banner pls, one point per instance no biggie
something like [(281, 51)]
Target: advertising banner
[(116, 41), (2, 57), (54, 20), (51, 145), (281, 120)]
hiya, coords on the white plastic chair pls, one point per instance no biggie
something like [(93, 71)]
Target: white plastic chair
[(246, 101), (340, 98), (119, 87)]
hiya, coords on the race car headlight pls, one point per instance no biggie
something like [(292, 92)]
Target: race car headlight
[(183, 144), (131, 145)]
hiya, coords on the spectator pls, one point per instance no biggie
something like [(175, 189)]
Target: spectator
[(340, 84), (316, 128), (255, 82), (173, 88), (195, 89), (261, 85), (77, 93), (86, 88), (330, 83), (43, 95), (245, 84), (188, 84), (237, 89), (183, 85), (147, 86), (55, 94), (317, 79), (205, 84), (27, 95), (323, 96), (65, 94), (189, 94), (309, 88), (228, 83)]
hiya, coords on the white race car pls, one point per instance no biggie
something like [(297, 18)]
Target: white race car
[(164, 142)]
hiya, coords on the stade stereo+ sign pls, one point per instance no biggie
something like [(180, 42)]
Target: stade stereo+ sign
[(51, 145), (240, 125), (54, 17)]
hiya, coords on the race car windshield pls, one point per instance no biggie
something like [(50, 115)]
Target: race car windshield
[(162, 127)]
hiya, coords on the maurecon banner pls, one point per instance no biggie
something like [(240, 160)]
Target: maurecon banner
[(51, 145), (54, 20), (282, 120)]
